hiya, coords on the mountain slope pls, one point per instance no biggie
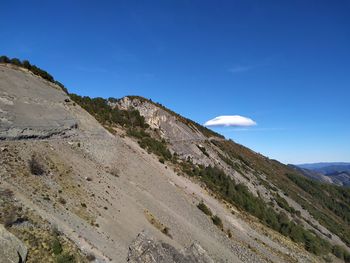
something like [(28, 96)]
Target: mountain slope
[(124, 166), (335, 173)]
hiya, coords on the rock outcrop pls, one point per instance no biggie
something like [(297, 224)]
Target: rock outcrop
[(146, 249), (36, 111), (12, 250)]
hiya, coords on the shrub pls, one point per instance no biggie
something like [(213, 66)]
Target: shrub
[(229, 234), (106, 115), (56, 246), (206, 210), (341, 253), (283, 203), (166, 231), (4, 59), (217, 221), (114, 171), (62, 200), (15, 61), (157, 147), (90, 257), (35, 167), (9, 217), (203, 150), (34, 69), (65, 258)]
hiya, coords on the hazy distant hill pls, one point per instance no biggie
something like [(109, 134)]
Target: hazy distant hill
[(333, 172), (320, 166)]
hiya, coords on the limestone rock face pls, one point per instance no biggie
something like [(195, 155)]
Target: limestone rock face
[(147, 250), (12, 250)]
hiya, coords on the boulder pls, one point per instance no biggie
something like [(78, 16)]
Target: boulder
[(12, 250), (146, 249)]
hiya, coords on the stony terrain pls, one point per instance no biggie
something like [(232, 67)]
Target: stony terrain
[(100, 190)]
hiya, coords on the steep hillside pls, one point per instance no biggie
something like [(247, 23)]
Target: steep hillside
[(312, 174), (280, 186), (92, 176)]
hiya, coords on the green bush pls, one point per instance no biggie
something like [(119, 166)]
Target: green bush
[(34, 69), (281, 202), (108, 116), (56, 246), (217, 221), (157, 147), (341, 253), (206, 210), (4, 59), (65, 258)]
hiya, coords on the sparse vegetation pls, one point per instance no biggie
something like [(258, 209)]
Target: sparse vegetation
[(36, 168), (90, 257), (34, 69), (329, 198), (114, 171), (147, 142), (108, 116), (56, 246), (203, 150), (284, 204), (157, 147), (217, 221), (9, 217), (130, 119), (341, 253), (327, 203), (65, 258), (206, 210), (157, 224), (62, 200), (239, 195), (193, 125), (44, 243)]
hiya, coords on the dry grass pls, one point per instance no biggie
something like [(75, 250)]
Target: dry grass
[(156, 223)]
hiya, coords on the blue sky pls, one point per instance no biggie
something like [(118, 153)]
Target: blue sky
[(284, 64)]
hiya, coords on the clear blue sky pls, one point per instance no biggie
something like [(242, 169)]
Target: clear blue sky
[(285, 64)]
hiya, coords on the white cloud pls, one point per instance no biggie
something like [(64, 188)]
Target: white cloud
[(231, 120)]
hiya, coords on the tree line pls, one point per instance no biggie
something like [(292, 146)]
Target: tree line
[(34, 69)]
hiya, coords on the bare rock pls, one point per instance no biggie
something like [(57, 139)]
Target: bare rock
[(145, 249), (11, 248)]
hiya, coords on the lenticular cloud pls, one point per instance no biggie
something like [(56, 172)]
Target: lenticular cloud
[(231, 121)]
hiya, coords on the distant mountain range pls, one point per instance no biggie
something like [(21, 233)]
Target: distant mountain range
[(330, 172)]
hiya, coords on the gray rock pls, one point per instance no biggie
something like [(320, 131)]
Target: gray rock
[(147, 250), (37, 111), (12, 250)]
